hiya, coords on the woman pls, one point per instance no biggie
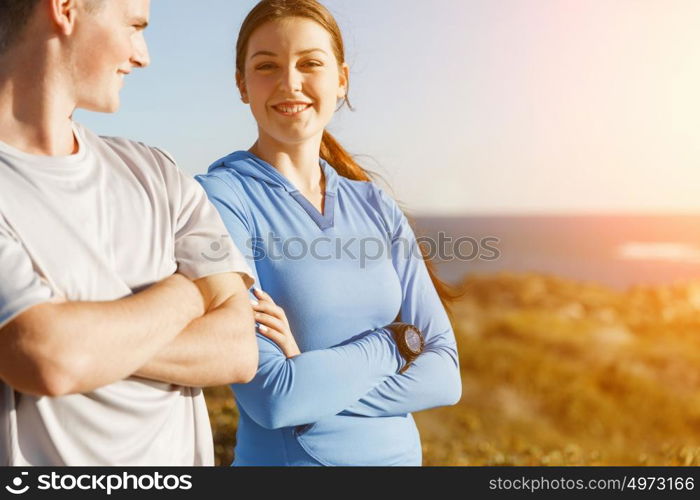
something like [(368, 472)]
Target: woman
[(337, 260)]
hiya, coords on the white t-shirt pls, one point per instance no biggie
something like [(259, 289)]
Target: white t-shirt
[(99, 225)]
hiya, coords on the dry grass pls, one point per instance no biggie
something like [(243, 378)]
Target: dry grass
[(560, 373)]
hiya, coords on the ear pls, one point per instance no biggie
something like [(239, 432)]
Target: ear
[(240, 83), (343, 81), (63, 14)]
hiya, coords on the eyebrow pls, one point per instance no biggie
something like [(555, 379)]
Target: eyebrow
[(300, 53)]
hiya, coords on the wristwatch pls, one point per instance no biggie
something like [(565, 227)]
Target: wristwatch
[(409, 340)]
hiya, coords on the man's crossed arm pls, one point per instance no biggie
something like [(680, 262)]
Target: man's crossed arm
[(188, 333)]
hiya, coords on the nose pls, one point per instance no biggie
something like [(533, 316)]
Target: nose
[(140, 57), (291, 80)]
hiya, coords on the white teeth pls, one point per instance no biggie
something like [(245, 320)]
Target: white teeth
[(289, 110)]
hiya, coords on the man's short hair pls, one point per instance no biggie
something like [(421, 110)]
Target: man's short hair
[(14, 15)]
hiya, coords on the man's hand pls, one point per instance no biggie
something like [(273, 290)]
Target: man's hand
[(218, 348)]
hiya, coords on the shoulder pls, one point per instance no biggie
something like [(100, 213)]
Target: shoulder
[(365, 190), (137, 155), (386, 205), (135, 150), (225, 186), (222, 180), (370, 191), (221, 176), (377, 201), (155, 168)]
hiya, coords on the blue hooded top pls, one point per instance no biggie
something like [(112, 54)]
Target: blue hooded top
[(341, 276)]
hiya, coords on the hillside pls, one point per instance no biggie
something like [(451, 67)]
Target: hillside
[(557, 372)]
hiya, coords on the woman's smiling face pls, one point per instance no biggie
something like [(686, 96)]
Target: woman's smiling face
[(292, 79)]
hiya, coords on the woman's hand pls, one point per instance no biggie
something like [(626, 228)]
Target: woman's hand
[(273, 324)]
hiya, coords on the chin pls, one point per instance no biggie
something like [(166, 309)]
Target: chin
[(292, 140), (111, 107), (101, 106), (292, 136)]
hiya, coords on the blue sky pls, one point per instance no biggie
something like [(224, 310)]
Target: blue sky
[(471, 106)]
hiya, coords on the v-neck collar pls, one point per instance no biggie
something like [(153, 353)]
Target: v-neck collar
[(323, 220)]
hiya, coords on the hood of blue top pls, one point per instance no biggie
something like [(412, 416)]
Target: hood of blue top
[(247, 164)]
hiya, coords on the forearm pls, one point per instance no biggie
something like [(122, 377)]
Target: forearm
[(218, 348), (74, 347), (316, 384), (432, 380)]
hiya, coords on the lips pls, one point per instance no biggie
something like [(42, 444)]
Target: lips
[(291, 108)]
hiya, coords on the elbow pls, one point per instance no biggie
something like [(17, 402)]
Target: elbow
[(276, 414), (454, 392), (49, 370), (284, 415), (273, 412), (65, 374), (243, 346), (275, 420), (243, 377), (285, 412), (232, 371), (249, 367), (450, 381), (269, 423), (39, 365), (447, 384), (58, 376), (41, 383), (246, 363), (56, 385), (244, 373), (452, 387)]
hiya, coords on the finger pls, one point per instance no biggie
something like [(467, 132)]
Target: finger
[(263, 298), (268, 308), (270, 322), (277, 337), (262, 295)]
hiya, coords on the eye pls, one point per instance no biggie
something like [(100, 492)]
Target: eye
[(266, 66), (312, 64)]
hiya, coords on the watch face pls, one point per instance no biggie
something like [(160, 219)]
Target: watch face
[(413, 340)]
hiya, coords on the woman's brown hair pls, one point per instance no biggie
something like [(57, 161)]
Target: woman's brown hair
[(331, 150)]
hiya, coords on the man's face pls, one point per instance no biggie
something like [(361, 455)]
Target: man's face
[(107, 45)]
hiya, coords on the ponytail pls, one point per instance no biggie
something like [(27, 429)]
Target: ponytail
[(346, 166), (342, 162)]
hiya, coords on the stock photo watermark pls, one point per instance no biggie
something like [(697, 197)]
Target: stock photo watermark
[(364, 250), (96, 482)]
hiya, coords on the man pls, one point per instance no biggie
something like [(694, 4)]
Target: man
[(119, 296)]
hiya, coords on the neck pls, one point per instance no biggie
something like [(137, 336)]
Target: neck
[(35, 110), (299, 163)]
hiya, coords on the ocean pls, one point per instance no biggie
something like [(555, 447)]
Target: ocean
[(618, 251)]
